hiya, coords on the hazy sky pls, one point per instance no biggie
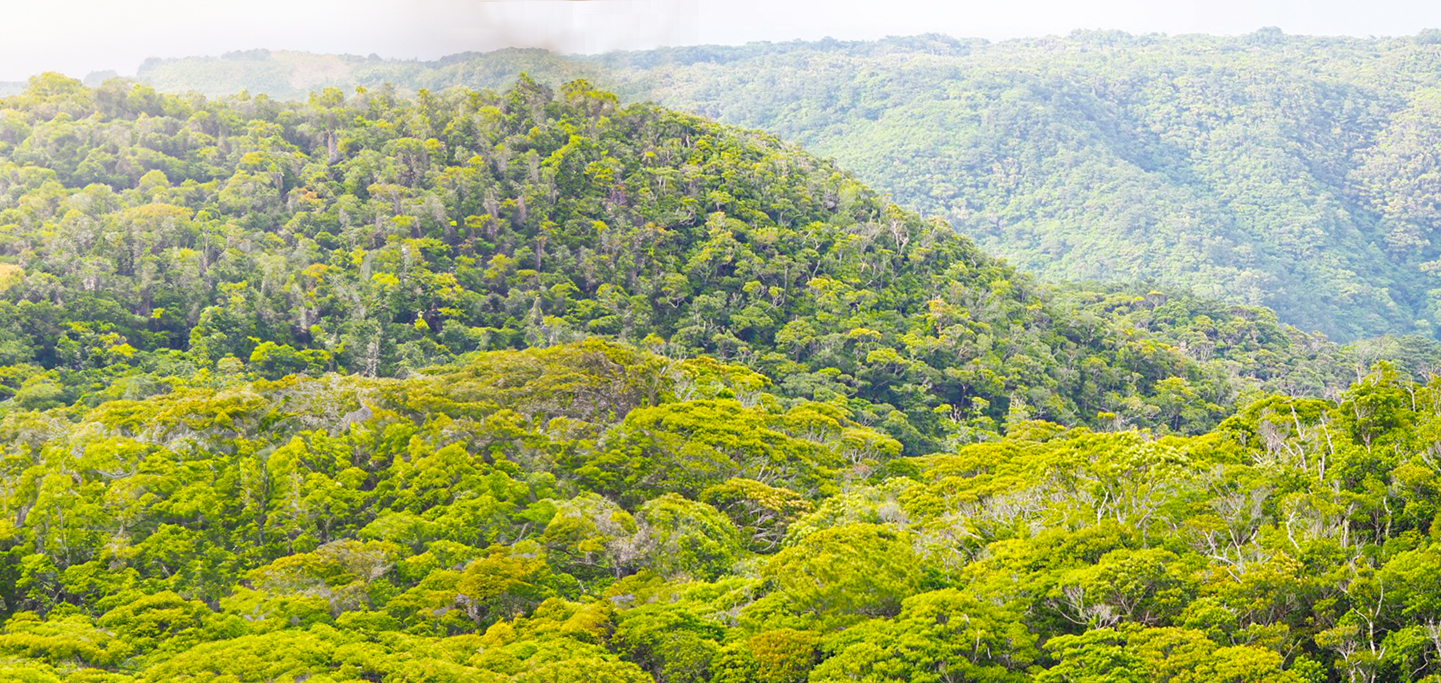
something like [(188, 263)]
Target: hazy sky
[(80, 36)]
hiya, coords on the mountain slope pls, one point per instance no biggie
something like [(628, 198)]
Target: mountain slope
[(589, 512), (150, 235), (1264, 169), (426, 390)]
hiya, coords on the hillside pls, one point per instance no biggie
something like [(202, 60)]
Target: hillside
[(527, 386), (146, 236), (1283, 171), (589, 512)]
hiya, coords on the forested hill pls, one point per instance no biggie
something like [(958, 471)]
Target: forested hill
[(1285, 171), (146, 237), (531, 387), (588, 513)]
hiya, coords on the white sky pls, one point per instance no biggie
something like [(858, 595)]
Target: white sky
[(80, 36)]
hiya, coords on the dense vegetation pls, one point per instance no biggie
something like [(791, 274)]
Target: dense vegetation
[(592, 513), (146, 237), (1291, 172), (529, 386)]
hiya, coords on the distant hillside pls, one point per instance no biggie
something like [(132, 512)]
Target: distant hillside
[(8, 88), (1285, 171), (292, 75)]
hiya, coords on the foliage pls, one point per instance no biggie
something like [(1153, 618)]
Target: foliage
[(150, 242), (684, 405), (1293, 172), (457, 530)]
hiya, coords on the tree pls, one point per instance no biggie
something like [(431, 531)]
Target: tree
[(689, 538), (845, 573)]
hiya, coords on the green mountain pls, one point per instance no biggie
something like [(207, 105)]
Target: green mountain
[(147, 236), (531, 387), (1284, 171)]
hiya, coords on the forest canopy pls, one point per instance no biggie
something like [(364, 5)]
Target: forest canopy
[(146, 236), (589, 512), (1292, 172), (531, 386)]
